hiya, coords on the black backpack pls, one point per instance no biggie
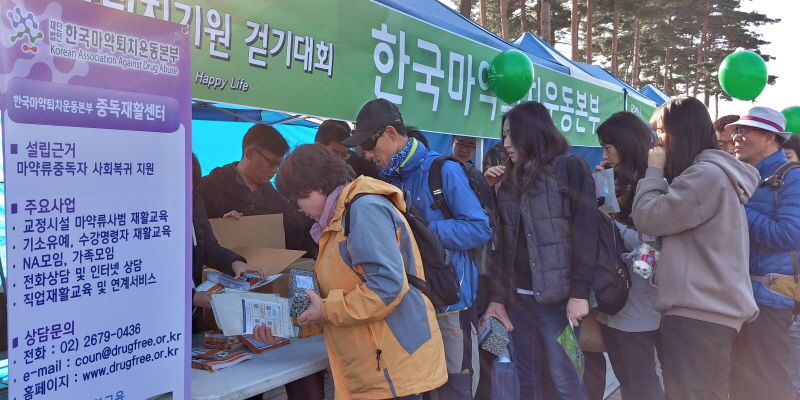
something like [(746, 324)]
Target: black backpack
[(441, 284), (481, 256), (611, 280)]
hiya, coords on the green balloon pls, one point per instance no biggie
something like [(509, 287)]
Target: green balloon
[(792, 115), (511, 75), (743, 75)]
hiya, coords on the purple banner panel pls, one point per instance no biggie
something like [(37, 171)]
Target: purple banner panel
[(47, 103)]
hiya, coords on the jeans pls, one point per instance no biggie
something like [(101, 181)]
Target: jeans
[(633, 358), (409, 397), (697, 359), (759, 358), (536, 327)]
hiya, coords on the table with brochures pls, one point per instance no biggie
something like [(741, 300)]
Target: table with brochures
[(263, 372)]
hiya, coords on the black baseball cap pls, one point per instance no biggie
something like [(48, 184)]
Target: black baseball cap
[(374, 115)]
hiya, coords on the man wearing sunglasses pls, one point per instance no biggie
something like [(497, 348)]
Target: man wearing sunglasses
[(405, 163)]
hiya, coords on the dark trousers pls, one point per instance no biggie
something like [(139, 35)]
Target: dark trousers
[(697, 359), (760, 356), (484, 391), (633, 358), (536, 328), (594, 376)]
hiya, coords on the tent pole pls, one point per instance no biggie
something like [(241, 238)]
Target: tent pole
[(222, 110)]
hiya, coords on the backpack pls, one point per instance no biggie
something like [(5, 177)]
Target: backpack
[(441, 283), (481, 256), (611, 280), (788, 286)]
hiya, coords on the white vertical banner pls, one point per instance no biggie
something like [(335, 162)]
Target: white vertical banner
[(96, 110)]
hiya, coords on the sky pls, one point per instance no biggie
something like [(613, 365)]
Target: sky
[(784, 37)]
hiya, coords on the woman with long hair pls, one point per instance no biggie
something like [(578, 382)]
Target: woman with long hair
[(702, 277), (630, 335), (547, 260)]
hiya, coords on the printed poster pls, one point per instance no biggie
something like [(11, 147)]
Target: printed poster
[(96, 138)]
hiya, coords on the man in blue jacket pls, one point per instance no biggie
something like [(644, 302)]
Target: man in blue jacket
[(405, 162), (761, 350)]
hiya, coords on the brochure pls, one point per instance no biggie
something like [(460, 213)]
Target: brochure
[(260, 347), (238, 312), (246, 282), (214, 360)]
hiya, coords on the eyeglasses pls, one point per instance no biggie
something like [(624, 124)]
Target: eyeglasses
[(275, 164), (465, 146), (372, 141), (741, 130), (344, 155)]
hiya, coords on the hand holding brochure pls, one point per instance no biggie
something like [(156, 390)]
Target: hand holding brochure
[(238, 313), (258, 312)]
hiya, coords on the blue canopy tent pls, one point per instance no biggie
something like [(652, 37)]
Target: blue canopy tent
[(533, 44), (655, 94), (209, 121)]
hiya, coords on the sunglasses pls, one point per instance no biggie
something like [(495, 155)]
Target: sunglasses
[(372, 141)]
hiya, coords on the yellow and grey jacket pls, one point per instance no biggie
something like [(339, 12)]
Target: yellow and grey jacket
[(382, 336)]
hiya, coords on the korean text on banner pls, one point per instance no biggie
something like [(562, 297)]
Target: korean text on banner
[(314, 58)]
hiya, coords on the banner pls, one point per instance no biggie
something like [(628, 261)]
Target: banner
[(328, 58), (96, 117), (643, 110)]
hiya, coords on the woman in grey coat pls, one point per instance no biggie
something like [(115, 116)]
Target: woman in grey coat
[(630, 335)]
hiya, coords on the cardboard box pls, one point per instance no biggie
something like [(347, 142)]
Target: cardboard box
[(259, 239)]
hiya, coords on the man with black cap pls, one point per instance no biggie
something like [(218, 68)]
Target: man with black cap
[(760, 352), (404, 162)]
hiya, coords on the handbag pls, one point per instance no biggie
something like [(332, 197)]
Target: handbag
[(591, 338), (505, 379)]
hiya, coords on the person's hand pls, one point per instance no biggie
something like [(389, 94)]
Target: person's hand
[(240, 268), (233, 214), (657, 158), (494, 174), (314, 313), (498, 311), (202, 299), (263, 334), (576, 310), (603, 165)]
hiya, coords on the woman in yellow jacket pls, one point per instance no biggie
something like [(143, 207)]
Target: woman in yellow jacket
[(382, 336)]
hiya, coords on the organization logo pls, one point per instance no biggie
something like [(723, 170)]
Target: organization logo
[(634, 109), (25, 27)]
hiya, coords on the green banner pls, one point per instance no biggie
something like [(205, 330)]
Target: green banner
[(643, 110), (577, 107), (328, 58)]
